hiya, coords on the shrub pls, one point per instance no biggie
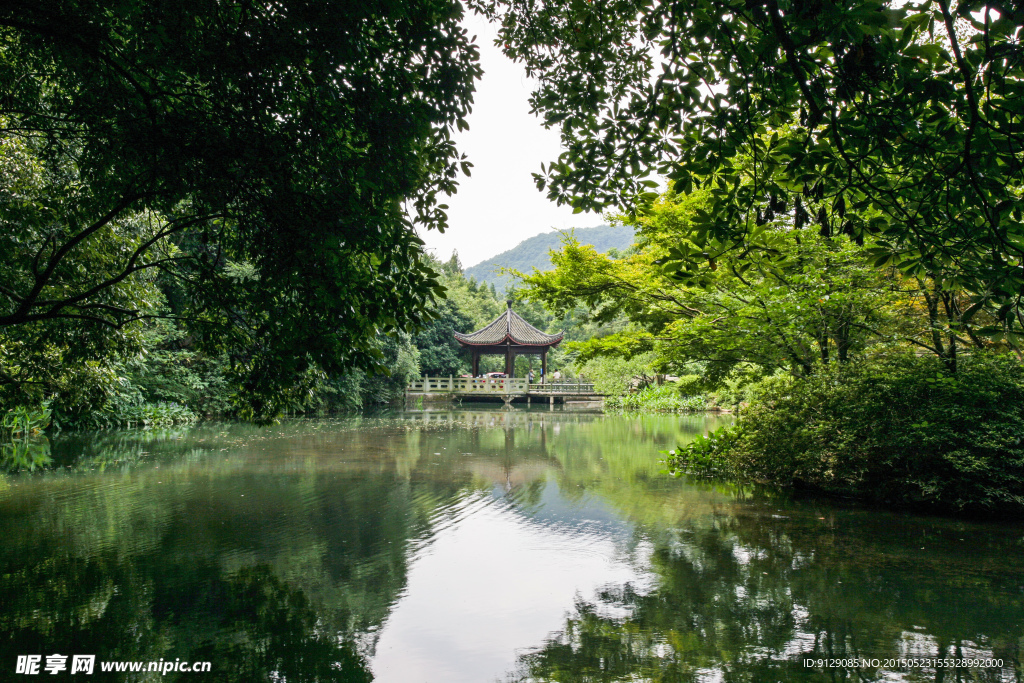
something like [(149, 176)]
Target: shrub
[(665, 398), (24, 421), (21, 443), (707, 455), (901, 430), (613, 375), (158, 414)]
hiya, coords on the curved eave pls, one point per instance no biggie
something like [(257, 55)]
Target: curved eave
[(557, 339)]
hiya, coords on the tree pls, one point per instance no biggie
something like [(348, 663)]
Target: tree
[(897, 120), (402, 362), (813, 300), (440, 354), (477, 301), (615, 375), (271, 159)]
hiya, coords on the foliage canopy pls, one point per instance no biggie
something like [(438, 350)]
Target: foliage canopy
[(897, 120), (268, 160), (811, 300), (900, 430)]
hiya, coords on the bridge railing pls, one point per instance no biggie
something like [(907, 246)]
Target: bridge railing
[(494, 385), (487, 385), (564, 387)]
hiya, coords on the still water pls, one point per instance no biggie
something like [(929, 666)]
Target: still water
[(480, 546)]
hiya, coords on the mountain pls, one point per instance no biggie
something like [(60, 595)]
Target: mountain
[(533, 252)]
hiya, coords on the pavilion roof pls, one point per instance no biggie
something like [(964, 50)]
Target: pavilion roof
[(509, 326)]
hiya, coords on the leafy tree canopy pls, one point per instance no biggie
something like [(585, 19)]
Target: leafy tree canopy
[(807, 300), (268, 159), (898, 120)]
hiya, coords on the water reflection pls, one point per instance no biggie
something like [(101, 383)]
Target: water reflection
[(750, 595), (29, 453), (478, 546)]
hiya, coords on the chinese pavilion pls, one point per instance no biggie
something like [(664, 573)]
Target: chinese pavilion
[(510, 336)]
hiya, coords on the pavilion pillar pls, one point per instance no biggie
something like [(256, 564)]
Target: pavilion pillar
[(476, 362), (508, 360), (544, 366)]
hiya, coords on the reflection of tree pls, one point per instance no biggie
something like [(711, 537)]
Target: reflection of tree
[(29, 453), (745, 590), (55, 604), (596, 648), (168, 559), (269, 632), (172, 561), (250, 625), (131, 448), (750, 596)]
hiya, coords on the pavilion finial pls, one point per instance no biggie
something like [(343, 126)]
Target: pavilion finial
[(509, 302)]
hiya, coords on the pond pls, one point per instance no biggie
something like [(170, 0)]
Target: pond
[(478, 546)]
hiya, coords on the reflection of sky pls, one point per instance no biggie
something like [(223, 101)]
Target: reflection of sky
[(494, 582), (589, 512)]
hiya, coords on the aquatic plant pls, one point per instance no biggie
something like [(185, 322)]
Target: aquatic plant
[(156, 414), (24, 421), (21, 445)]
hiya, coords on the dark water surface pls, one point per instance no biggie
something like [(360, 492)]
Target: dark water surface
[(480, 546)]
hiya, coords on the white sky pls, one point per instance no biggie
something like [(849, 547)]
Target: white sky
[(499, 206)]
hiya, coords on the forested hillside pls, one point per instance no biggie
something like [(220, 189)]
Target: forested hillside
[(533, 252)]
